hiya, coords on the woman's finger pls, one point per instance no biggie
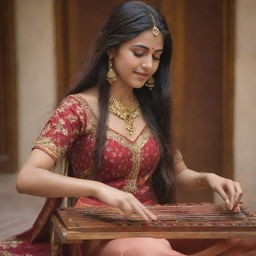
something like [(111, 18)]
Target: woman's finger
[(125, 207), (238, 191), (143, 209), (149, 213), (140, 211), (239, 194), (229, 184), (224, 196), (236, 209), (130, 205)]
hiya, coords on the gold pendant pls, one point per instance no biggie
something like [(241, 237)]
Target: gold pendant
[(127, 112)]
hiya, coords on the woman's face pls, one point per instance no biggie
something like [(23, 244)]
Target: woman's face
[(138, 59)]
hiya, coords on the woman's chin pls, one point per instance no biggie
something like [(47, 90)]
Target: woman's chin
[(137, 86)]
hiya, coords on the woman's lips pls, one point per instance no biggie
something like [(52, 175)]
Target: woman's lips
[(141, 74)]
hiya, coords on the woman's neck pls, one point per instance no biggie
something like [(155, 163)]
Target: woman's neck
[(122, 93)]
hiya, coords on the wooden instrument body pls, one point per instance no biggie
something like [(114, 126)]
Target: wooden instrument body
[(205, 220)]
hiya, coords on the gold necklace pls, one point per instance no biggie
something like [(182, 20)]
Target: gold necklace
[(128, 112)]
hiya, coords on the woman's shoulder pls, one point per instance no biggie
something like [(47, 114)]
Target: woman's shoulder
[(81, 104), (90, 96)]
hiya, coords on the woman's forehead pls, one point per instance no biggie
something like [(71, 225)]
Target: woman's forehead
[(147, 39)]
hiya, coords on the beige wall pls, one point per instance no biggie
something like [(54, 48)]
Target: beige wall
[(36, 78), (245, 99)]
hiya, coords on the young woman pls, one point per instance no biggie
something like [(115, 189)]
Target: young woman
[(114, 128)]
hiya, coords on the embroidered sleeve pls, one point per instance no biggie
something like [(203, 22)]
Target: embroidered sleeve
[(66, 123), (177, 157)]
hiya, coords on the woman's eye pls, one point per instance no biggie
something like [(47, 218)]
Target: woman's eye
[(138, 54), (156, 57)]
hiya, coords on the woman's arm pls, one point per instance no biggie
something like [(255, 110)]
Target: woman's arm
[(188, 179), (229, 190), (35, 178)]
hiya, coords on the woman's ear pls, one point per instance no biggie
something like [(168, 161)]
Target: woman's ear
[(111, 53)]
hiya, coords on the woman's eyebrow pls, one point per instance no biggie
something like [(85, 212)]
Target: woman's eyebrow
[(146, 48)]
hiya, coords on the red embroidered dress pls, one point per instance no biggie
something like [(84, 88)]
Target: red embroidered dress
[(126, 165)]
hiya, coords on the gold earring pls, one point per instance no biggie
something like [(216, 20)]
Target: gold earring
[(111, 75), (150, 83)]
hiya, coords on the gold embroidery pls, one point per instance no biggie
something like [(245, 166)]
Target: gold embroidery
[(60, 128), (48, 144), (12, 254), (135, 148), (11, 242), (91, 122)]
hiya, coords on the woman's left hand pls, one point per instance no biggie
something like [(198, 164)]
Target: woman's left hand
[(229, 190)]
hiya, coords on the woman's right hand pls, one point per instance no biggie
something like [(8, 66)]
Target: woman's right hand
[(126, 202), (35, 178)]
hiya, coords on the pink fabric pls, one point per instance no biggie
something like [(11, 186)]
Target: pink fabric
[(138, 246), (217, 247)]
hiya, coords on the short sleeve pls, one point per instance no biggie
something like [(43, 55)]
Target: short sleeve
[(64, 126), (177, 157)]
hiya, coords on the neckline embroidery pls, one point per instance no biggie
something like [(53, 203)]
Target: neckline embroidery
[(84, 101)]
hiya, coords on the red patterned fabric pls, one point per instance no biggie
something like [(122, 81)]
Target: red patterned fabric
[(126, 165), (16, 247)]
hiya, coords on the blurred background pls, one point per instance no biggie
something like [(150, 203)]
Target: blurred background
[(45, 43)]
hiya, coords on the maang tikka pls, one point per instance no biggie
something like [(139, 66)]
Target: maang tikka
[(111, 74), (155, 29)]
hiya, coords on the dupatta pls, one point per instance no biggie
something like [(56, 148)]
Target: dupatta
[(39, 240)]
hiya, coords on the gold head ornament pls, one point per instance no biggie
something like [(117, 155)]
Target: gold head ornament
[(155, 30)]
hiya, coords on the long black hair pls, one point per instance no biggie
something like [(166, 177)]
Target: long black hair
[(125, 22)]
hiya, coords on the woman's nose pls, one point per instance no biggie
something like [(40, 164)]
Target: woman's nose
[(148, 63)]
